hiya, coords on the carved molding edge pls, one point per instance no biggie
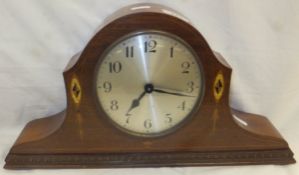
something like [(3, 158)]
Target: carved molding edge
[(16, 161)]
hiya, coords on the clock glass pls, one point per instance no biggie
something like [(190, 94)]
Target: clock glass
[(149, 82)]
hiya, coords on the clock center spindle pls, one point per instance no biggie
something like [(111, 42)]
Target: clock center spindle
[(149, 88)]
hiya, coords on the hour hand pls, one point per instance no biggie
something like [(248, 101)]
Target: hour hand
[(172, 93), (135, 103)]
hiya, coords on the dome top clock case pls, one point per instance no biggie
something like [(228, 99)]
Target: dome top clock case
[(147, 91)]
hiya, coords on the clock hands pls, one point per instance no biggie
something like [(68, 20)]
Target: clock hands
[(135, 103), (172, 93), (149, 88)]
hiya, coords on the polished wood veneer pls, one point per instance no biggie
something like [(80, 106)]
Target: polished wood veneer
[(82, 136)]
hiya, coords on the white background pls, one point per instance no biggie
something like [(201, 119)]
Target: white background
[(258, 38)]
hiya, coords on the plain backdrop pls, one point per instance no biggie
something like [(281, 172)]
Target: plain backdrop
[(258, 38)]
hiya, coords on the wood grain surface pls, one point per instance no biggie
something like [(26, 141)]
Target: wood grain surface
[(83, 137)]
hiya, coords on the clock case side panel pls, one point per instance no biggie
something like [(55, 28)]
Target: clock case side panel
[(83, 137)]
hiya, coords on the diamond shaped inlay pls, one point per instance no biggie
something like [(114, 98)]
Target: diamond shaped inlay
[(218, 87), (76, 91)]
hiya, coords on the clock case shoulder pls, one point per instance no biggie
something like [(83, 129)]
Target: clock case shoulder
[(82, 137)]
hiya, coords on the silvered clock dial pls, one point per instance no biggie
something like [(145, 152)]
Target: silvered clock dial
[(149, 82)]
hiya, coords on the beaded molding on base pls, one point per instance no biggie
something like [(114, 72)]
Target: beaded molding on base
[(151, 159)]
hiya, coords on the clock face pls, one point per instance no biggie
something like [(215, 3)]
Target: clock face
[(149, 82)]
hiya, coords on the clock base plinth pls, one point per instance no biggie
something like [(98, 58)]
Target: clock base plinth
[(21, 157), (31, 161)]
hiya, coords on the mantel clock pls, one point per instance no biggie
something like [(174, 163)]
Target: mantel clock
[(147, 91)]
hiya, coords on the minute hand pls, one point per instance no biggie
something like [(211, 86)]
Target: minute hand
[(171, 93)]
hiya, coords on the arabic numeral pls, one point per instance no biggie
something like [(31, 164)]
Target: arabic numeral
[(185, 66), (190, 85), (147, 123), (115, 67), (114, 105), (130, 51), (182, 106), (149, 46), (107, 86)]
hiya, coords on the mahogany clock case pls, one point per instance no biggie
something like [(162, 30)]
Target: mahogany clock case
[(82, 137)]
